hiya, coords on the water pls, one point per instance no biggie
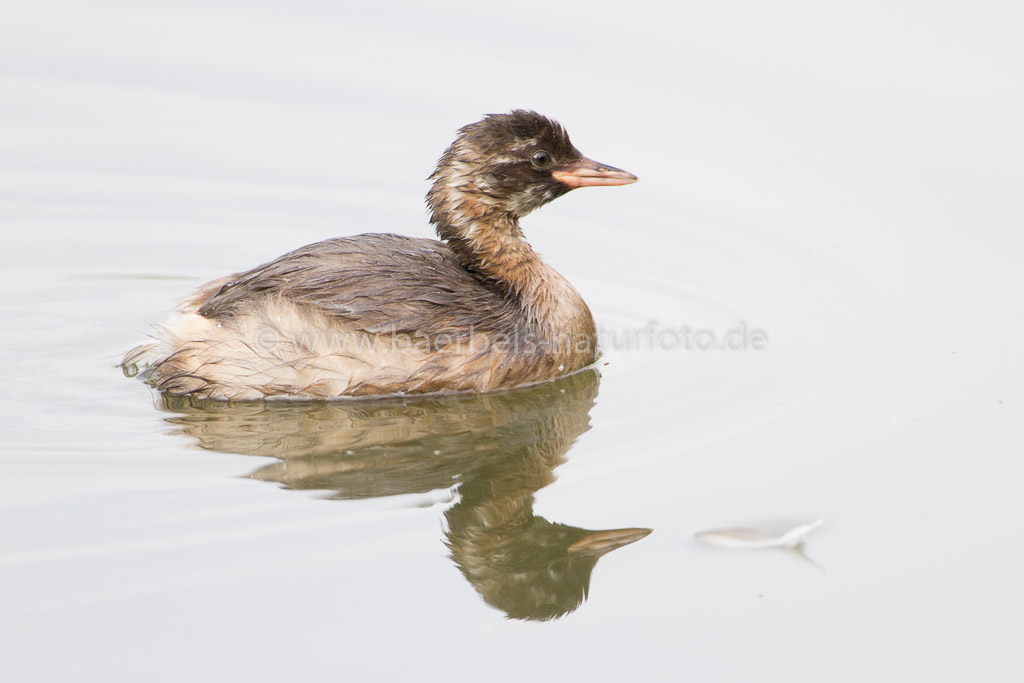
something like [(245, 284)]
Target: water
[(839, 183)]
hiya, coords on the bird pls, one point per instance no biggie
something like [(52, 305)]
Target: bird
[(384, 314)]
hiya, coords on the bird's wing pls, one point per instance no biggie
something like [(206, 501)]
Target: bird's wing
[(376, 283)]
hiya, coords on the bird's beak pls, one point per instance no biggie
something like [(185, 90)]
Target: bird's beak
[(587, 173), (601, 542)]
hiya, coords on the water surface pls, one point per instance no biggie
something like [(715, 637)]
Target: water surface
[(841, 181)]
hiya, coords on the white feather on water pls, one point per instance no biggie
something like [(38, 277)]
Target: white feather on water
[(755, 539)]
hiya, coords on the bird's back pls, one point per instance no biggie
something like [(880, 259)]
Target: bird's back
[(376, 283), (364, 315)]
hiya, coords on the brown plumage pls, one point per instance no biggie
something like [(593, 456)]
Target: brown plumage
[(385, 314)]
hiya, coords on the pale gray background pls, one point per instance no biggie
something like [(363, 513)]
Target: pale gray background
[(846, 176)]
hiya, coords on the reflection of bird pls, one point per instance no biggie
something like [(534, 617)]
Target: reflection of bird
[(384, 314), (522, 564), (498, 448)]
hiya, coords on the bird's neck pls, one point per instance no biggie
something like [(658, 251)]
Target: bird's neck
[(487, 240)]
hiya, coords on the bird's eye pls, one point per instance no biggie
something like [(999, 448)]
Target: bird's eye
[(541, 159)]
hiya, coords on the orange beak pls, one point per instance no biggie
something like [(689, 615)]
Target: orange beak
[(589, 173)]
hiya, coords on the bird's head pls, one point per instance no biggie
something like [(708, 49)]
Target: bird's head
[(512, 163)]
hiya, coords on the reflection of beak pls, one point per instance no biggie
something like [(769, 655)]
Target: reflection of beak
[(601, 542), (588, 173)]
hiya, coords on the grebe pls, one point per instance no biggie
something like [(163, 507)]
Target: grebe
[(381, 314)]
